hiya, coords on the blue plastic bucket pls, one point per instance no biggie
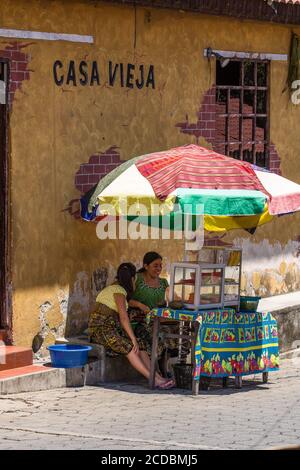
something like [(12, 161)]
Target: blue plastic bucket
[(69, 355)]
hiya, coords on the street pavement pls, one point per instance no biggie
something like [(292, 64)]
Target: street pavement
[(130, 416)]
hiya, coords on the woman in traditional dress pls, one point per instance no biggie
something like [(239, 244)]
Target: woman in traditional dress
[(110, 326)]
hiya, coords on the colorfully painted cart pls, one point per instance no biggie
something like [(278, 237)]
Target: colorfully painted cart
[(225, 343)]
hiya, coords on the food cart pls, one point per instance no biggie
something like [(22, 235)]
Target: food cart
[(226, 341)]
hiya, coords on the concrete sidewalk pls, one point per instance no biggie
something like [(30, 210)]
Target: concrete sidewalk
[(127, 416)]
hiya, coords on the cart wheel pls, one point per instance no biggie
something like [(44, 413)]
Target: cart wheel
[(238, 382), (265, 377), (225, 382)]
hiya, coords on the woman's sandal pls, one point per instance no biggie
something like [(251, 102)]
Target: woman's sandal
[(166, 385)]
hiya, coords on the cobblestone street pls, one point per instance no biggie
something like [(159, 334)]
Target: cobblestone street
[(126, 416)]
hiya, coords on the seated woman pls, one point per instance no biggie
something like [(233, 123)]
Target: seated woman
[(109, 324), (150, 292)]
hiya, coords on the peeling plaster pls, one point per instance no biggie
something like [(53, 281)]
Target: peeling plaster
[(81, 291), (269, 268)]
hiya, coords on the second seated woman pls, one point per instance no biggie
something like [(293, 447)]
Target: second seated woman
[(150, 292)]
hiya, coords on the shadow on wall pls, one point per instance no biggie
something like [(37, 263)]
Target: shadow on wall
[(67, 314), (82, 300)]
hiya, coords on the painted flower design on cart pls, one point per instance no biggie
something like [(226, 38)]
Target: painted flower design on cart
[(212, 336), (227, 367), (239, 367), (227, 336), (238, 318), (266, 328), (224, 317), (217, 365), (274, 360), (252, 317), (265, 316), (250, 334), (186, 317), (207, 337), (263, 363), (238, 364), (260, 333), (241, 335), (274, 331), (166, 314), (207, 367), (210, 317), (259, 317), (253, 364)]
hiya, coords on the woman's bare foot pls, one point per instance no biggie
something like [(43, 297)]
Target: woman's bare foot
[(164, 384)]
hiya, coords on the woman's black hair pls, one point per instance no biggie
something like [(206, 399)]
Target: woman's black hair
[(148, 259), (125, 273)]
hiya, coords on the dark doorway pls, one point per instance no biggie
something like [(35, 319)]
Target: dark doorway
[(5, 318)]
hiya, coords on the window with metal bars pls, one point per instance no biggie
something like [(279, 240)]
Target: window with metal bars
[(242, 110)]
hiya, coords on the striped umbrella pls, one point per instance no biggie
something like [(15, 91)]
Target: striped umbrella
[(161, 188)]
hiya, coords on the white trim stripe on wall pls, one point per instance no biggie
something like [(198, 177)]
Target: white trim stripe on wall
[(21, 34)]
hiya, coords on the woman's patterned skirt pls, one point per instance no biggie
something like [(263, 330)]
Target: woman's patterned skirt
[(105, 328)]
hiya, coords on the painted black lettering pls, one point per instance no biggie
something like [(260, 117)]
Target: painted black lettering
[(58, 81), (122, 75), (95, 74), (112, 73), (140, 83), (130, 75), (71, 73), (83, 73), (150, 79)]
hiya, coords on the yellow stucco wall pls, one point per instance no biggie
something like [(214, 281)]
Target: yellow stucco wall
[(55, 129)]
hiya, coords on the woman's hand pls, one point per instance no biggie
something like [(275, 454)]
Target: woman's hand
[(136, 304), (144, 308)]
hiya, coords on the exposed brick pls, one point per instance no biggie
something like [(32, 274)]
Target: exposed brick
[(105, 159), (205, 116), (111, 167), (274, 166), (93, 179), (81, 179), (94, 159), (99, 169), (87, 169), (17, 76), (13, 86), (18, 56), (211, 125), (5, 54), (115, 158), (21, 66)]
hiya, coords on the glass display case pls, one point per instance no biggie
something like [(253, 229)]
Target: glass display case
[(197, 285), (232, 258), (208, 278)]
